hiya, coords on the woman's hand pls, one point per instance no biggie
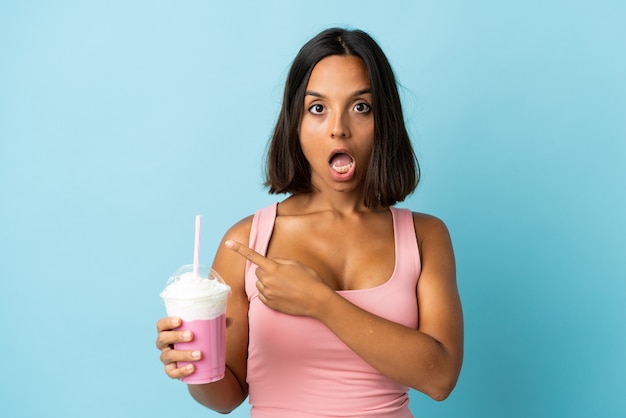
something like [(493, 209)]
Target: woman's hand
[(167, 337), (286, 286)]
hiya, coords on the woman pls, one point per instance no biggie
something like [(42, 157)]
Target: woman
[(340, 301)]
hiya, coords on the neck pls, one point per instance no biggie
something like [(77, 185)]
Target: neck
[(338, 202)]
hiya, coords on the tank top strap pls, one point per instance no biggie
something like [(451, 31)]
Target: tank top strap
[(262, 227), (260, 234), (407, 249)]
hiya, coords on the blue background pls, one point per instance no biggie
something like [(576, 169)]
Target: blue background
[(122, 120)]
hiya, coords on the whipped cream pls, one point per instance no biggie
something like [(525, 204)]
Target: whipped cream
[(192, 297)]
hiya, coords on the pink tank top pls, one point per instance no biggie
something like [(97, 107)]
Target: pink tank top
[(298, 368)]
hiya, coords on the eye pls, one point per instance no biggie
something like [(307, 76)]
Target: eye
[(362, 107), (316, 109)]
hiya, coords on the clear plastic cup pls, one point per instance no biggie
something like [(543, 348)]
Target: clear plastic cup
[(200, 301)]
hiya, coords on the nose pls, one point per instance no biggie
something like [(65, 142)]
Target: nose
[(339, 126)]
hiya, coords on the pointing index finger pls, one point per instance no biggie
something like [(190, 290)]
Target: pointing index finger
[(250, 254)]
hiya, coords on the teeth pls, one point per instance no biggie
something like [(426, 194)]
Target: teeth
[(341, 169)]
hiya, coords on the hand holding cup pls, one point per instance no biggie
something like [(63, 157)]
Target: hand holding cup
[(197, 304)]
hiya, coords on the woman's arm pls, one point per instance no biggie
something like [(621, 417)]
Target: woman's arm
[(228, 393)]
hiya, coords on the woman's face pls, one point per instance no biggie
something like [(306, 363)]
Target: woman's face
[(337, 125)]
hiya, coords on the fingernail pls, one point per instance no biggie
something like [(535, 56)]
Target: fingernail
[(195, 354), (189, 367), (187, 335), (229, 244)]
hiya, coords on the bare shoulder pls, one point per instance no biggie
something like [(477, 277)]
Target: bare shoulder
[(435, 246), (425, 219), (228, 264), (429, 228), (240, 231)]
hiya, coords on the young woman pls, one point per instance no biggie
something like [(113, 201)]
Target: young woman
[(340, 301)]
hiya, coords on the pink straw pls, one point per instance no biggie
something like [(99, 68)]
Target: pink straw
[(196, 247)]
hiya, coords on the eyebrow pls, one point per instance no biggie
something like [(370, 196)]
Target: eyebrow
[(356, 93)]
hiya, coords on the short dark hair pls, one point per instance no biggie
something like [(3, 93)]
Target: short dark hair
[(393, 171)]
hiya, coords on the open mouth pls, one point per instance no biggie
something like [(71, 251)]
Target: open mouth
[(341, 162)]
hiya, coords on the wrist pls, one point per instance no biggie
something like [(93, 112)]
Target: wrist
[(322, 302)]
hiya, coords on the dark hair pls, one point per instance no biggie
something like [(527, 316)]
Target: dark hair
[(393, 171)]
